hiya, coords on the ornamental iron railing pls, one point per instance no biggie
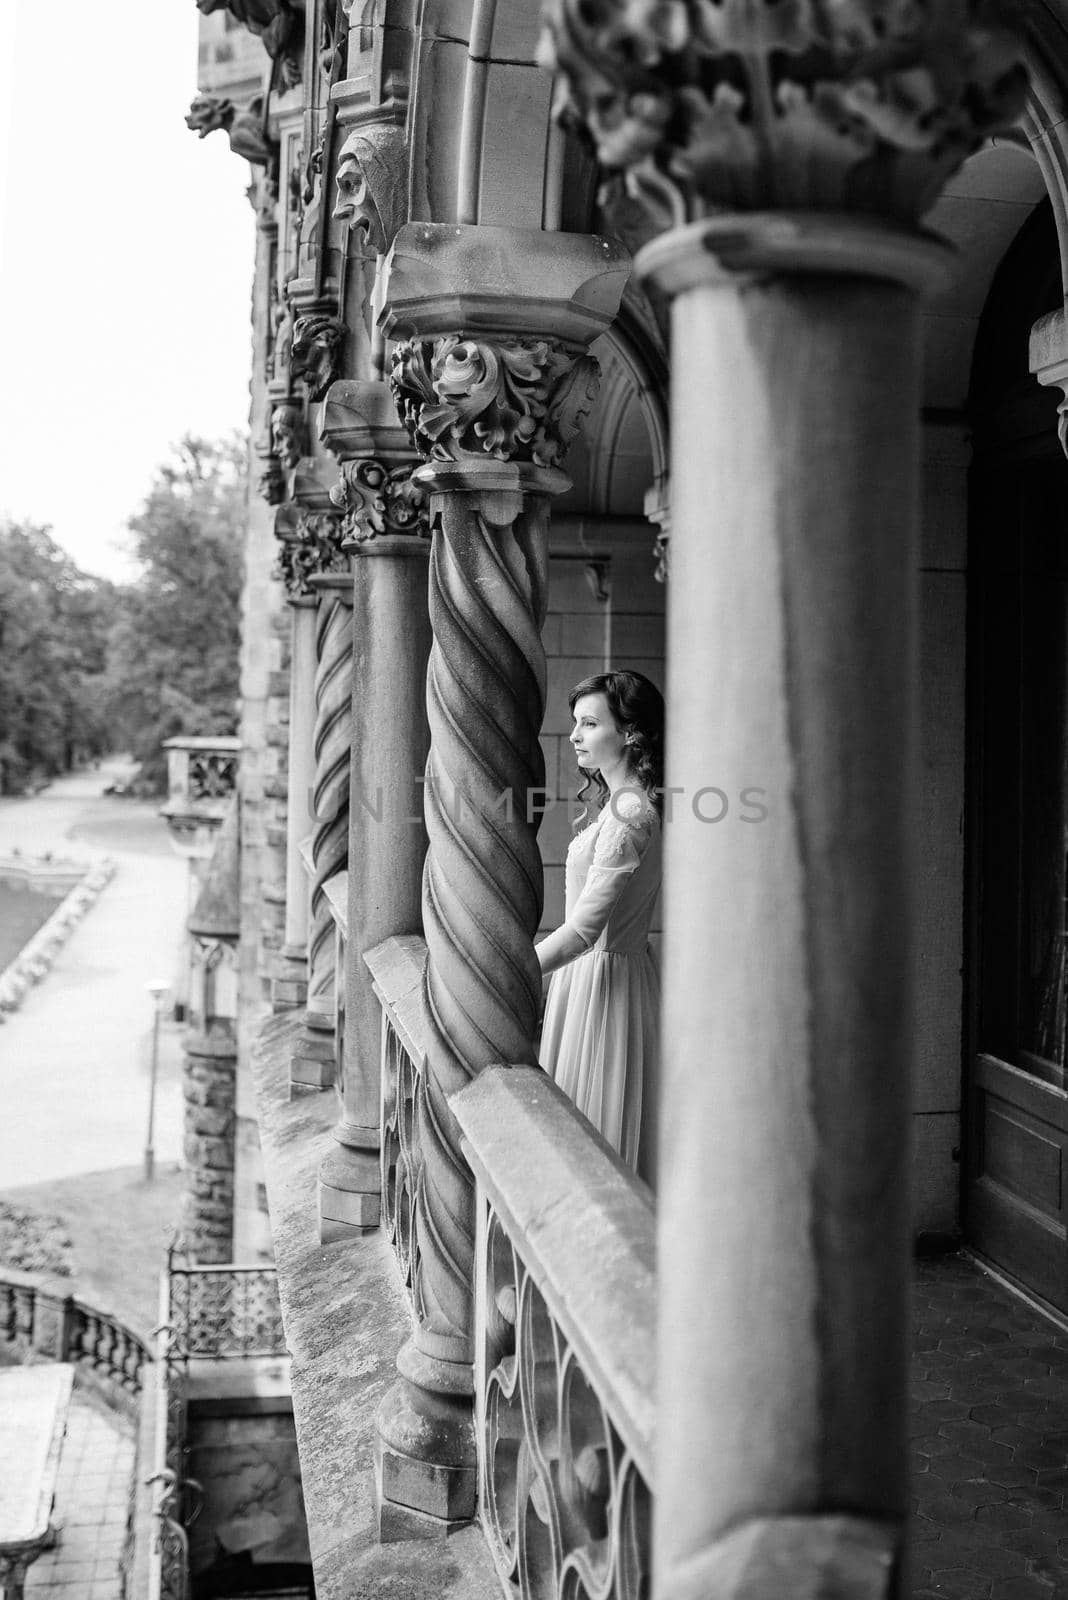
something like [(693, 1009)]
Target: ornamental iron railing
[(224, 1312)]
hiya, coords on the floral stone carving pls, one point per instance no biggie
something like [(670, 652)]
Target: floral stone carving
[(378, 500), (510, 400), (314, 547), (862, 105), (279, 24)]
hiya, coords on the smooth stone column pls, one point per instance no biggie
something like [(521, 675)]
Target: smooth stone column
[(387, 844), (290, 986), (788, 994)]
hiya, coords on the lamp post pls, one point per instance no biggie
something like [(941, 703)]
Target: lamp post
[(157, 990)]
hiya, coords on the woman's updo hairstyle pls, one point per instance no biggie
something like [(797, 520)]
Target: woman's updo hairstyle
[(637, 708)]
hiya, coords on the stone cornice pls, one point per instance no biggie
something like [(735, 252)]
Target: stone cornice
[(520, 282), (359, 418)]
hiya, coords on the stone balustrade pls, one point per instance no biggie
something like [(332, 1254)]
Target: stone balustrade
[(396, 968), (35, 1318), (565, 1315), (565, 1302), (201, 781)]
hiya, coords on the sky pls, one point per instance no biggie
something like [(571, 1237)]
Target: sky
[(126, 255)]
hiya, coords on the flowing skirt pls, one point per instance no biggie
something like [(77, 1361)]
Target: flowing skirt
[(599, 1042)]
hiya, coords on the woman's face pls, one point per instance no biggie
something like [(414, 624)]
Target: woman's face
[(595, 739)]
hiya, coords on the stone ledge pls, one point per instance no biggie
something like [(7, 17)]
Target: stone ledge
[(345, 1317)]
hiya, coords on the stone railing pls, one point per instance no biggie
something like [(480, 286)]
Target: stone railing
[(224, 1312), (565, 1306), (565, 1300), (397, 969), (35, 1318), (201, 780)]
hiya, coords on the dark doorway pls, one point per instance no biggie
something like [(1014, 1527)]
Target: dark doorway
[(1016, 1070)]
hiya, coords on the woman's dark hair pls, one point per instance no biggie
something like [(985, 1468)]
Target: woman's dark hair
[(637, 708)]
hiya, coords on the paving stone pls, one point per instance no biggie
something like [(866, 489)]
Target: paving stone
[(961, 1584), (991, 1484)]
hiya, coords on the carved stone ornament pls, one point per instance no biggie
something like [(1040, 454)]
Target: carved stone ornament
[(287, 433), (313, 548), (861, 105), (378, 500), (509, 400), (271, 483), (244, 126), (372, 184), (279, 24), (313, 356)]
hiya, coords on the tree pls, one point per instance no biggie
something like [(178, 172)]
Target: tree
[(174, 655), (54, 625)]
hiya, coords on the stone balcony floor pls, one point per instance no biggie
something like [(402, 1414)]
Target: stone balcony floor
[(91, 1508), (990, 1441)]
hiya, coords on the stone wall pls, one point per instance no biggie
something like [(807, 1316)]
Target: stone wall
[(252, 1523), (209, 1087)]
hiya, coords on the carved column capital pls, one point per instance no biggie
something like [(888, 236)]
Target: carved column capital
[(375, 489), (310, 546), (493, 326), (380, 501), (743, 105), (505, 398)]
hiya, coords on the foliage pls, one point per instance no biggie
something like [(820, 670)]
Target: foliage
[(54, 623), (174, 652)]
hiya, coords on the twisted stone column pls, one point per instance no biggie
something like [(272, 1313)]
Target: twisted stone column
[(482, 888), (313, 1063), (386, 532), (788, 152), (493, 414)]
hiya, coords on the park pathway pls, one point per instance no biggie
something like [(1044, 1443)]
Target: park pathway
[(74, 1059)]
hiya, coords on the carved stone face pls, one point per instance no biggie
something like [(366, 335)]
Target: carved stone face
[(315, 342), (372, 184), (285, 434), (354, 204)]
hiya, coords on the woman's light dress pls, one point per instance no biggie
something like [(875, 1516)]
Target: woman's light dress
[(599, 1036)]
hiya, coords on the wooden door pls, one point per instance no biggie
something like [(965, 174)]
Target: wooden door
[(1016, 1102)]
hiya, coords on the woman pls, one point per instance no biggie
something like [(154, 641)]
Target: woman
[(599, 1036)]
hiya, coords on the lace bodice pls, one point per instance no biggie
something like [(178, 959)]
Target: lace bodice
[(612, 876)]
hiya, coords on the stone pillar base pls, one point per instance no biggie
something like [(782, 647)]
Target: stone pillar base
[(312, 1065), (807, 1558), (350, 1194), (426, 1472)]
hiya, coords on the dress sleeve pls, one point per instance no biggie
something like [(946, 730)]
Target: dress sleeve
[(622, 840)]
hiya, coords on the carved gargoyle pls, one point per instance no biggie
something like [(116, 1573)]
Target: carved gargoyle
[(313, 359), (372, 184), (243, 126), (279, 23)]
